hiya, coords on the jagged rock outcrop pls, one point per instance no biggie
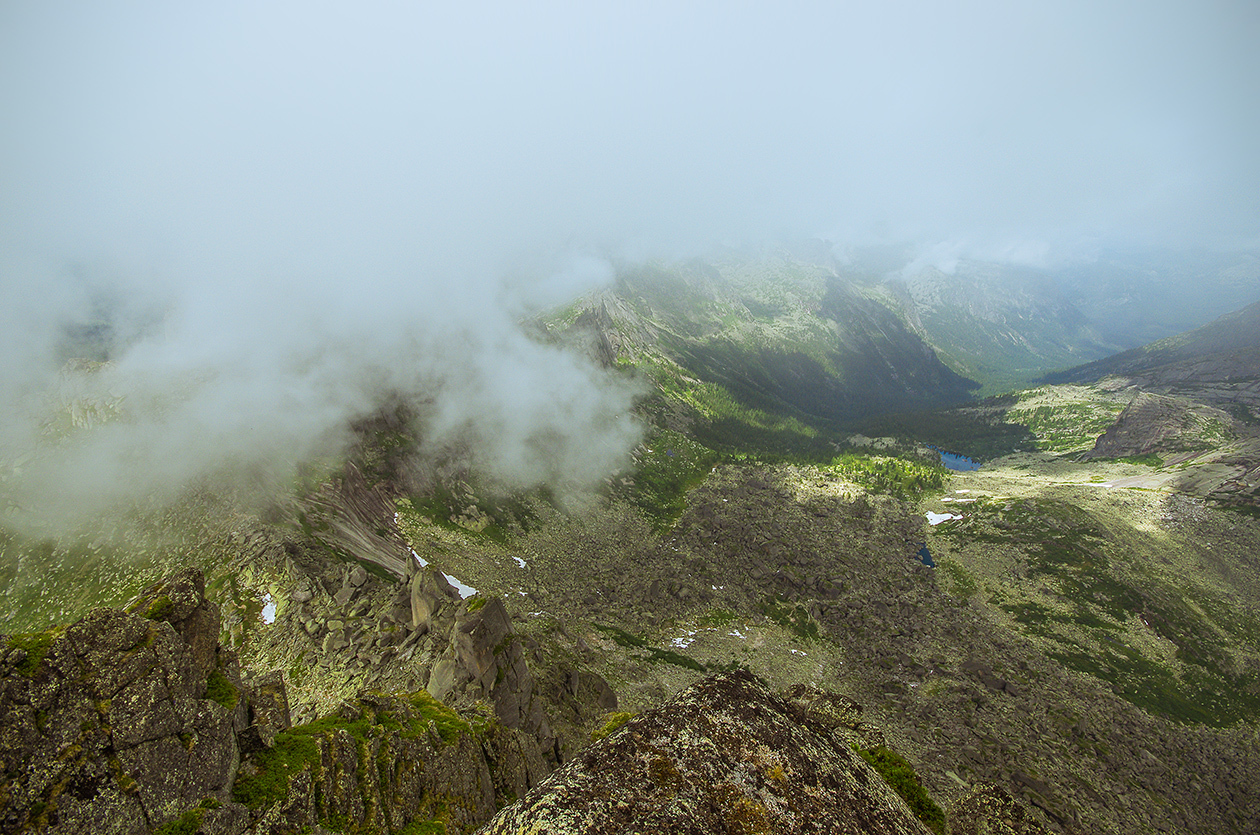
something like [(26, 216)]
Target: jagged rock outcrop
[(485, 660), (379, 764), (725, 755), (124, 720), (139, 721)]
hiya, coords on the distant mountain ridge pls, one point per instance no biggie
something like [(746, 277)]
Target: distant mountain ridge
[(1001, 326), (800, 333), (777, 337), (1225, 349)]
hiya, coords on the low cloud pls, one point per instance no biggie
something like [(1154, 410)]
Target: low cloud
[(248, 379), (277, 213)]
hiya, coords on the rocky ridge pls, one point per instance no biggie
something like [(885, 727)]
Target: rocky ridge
[(138, 721), (723, 756), (173, 739)]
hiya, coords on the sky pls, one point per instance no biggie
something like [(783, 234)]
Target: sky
[(289, 208)]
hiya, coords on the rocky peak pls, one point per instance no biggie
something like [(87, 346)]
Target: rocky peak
[(725, 755)]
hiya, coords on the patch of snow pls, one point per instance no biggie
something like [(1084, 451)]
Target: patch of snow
[(520, 562), (685, 641), (735, 633), (464, 591), (957, 501), (796, 652), (269, 609), (937, 518), (419, 559), (962, 491)]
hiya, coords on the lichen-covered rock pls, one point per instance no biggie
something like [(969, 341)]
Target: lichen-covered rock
[(121, 722), (180, 600), (724, 756), (991, 810)]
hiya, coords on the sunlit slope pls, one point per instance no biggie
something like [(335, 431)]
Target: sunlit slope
[(1151, 591), (768, 348)]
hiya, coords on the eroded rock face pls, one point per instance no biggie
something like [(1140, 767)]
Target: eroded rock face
[(484, 660), (725, 755), (1153, 423), (123, 720)]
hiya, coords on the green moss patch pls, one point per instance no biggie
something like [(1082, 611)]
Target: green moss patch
[(36, 646), (613, 722), (793, 616), (667, 465), (220, 689), (186, 824), (160, 609), (655, 655), (716, 618), (900, 775), (296, 749), (428, 709)]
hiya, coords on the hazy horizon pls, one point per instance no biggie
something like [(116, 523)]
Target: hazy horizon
[(287, 209)]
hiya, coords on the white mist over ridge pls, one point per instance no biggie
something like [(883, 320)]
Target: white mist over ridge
[(248, 378), (288, 211)]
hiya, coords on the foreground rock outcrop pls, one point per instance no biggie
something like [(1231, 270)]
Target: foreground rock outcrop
[(124, 720), (139, 721), (724, 756)]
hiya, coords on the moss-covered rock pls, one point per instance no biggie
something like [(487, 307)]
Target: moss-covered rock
[(380, 764)]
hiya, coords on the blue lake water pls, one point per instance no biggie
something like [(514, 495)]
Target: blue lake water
[(926, 557), (953, 461)]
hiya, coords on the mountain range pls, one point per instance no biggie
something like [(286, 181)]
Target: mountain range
[(782, 615)]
